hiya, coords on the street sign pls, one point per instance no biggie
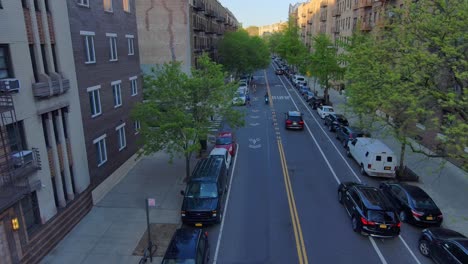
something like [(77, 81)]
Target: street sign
[(151, 202)]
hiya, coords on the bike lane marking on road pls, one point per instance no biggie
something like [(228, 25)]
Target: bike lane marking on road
[(349, 166), (300, 245), (215, 258)]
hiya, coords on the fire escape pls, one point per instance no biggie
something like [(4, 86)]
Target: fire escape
[(17, 163)]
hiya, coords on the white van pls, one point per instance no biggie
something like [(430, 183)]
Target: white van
[(299, 79), (373, 156), (222, 153)]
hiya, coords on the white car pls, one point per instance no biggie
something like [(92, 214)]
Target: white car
[(239, 99), (325, 110), (222, 153)]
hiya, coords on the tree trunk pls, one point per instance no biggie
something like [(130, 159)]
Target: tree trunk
[(187, 167), (402, 159)]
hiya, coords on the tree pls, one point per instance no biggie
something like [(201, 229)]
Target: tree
[(243, 54), (175, 114), (397, 76), (291, 48), (324, 63)]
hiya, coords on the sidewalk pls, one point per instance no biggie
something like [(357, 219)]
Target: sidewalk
[(444, 182)]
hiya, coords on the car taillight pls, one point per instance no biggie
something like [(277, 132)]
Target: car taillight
[(440, 216), (288, 122), (206, 233), (398, 225), (301, 122), (369, 166), (366, 222), (416, 213), (350, 136)]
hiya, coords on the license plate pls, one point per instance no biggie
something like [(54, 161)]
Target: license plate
[(294, 123), (198, 224), (387, 168), (383, 226), (429, 218)]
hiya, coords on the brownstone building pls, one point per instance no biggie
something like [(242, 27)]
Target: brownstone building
[(105, 46)]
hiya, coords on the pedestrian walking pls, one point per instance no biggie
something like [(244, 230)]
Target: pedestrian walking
[(247, 99)]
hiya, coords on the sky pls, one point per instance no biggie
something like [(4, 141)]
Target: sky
[(258, 12)]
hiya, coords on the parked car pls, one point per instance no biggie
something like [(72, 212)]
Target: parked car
[(279, 71), (223, 154), (316, 101), (205, 193), (370, 211), (188, 245), (239, 98), (298, 78), (325, 110), (444, 245), (303, 89), (346, 133), (294, 120), (226, 140), (308, 95), (413, 204), (333, 121), (373, 156)]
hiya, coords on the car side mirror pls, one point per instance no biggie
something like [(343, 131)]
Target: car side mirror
[(182, 192)]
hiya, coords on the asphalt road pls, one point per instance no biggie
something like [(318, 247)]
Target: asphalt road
[(283, 204)]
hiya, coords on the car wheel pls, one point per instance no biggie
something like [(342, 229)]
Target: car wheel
[(330, 128), (363, 172), (355, 225), (424, 247), (348, 153), (340, 197), (402, 216), (220, 218)]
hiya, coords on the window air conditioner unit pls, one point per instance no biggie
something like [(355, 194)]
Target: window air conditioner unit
[(9, 85), (22, 158)]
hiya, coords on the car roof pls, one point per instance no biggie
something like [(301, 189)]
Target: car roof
[(414, 191), (183, 244), (375, 146), (294, 113), (373, 198), (207, 169), (225, 134), (327, 106), (218, 151)]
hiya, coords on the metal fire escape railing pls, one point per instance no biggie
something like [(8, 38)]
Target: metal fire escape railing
[(15, 165)]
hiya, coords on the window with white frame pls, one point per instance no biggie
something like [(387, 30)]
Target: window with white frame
[(117, 92), (126, 5), (134, 85), (113, 46), (121, 136), (90, 54), (83, 3), (94, 100), (108, 5), (136, 126), (101, 150), (131, 46)]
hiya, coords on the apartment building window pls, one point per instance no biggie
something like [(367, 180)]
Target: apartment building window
[(112, 46), (137, 126), (117, 92), (121, 136), (95, 100), (101, 150), (108, 6), (131, 46), (90, 54), (30, 209), (126, 5), (6, 70), (83, 3), (134, 85)]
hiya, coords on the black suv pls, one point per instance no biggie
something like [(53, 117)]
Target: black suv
[(333, 121), (205, 193), (370, 211), (188, 246), (316, 101), (346, 133), (294, 120)]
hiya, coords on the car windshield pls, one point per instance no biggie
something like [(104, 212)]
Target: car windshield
[(326, 109), (202, 190), (178, 261), (424, 203), (295, 118), (240, 94), (380, 216), (223, 141)]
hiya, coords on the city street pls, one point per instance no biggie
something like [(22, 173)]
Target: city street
[(283, 205)]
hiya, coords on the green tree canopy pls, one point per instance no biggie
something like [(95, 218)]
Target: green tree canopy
[(290, 46), (243, 54), (177, 108)]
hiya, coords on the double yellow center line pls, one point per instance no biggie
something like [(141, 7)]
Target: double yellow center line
[(300, 246)]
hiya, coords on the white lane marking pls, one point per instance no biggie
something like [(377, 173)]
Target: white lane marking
[(347, 164), (254, 124), (255, 146), (215, 258), (255, 117), (406, 245), (377, 250), (254, 140)]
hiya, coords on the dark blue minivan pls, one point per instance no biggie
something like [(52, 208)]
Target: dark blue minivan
[(188, 246)]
